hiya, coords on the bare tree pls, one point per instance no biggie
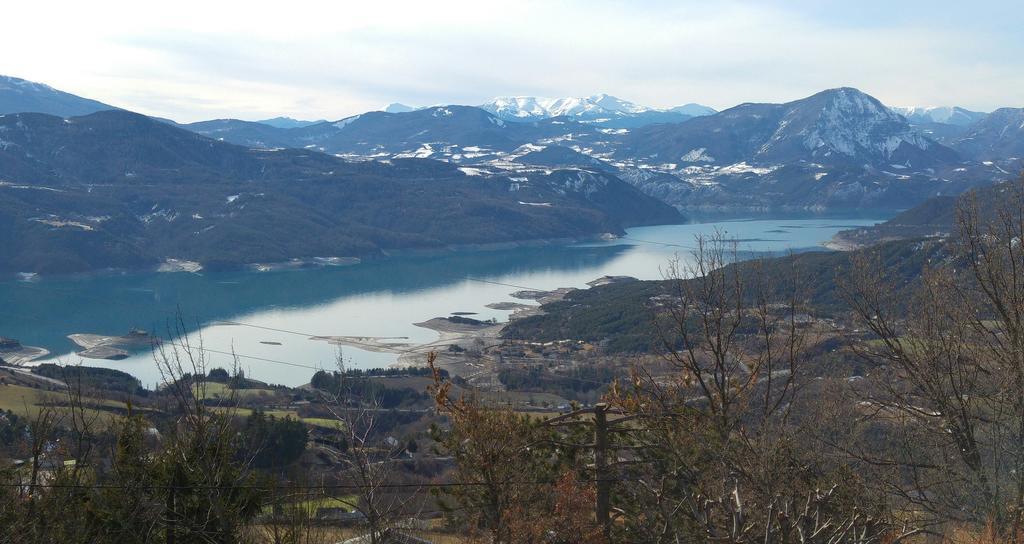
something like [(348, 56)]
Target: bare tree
[(369, 477), (947, 392), (715, 454), (516, 479), (208, 490), (293, 519)]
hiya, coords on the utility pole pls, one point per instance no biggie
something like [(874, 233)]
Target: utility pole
[(603, 478), (601, 447)]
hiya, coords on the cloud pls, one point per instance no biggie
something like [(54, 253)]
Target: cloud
[(192, 60)]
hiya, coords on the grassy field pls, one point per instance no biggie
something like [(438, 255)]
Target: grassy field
[(311, 505), (321, 422), (521, 398), (246, 412), (315, 421), (214, 390), (18, 399), (27, 401)]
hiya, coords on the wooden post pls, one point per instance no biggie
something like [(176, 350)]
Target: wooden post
[(604, 484), (170, 514)]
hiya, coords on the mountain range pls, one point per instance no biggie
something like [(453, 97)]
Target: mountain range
[(601, 109), (546, 168), (837, 148), (998, 135), (118, 189), (838, 126), (949, 115)]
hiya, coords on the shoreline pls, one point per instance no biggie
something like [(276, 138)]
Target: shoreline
[(24, 356), (171, 265), (841, 243), (461, 343), (174, 265)]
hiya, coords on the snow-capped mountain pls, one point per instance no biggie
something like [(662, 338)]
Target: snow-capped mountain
[(848, 124), (19, 96), (840, 147), (514, 108), (599, 109), (833, 126), (999, 135), (947, 115)]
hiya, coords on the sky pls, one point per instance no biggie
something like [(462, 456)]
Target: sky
[(190, 60)]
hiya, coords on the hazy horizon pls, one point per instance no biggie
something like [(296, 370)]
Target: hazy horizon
[(204, 61)]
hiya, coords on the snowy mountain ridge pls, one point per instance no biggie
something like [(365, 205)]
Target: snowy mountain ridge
[(949, 115), (852, 122), (532, 107)]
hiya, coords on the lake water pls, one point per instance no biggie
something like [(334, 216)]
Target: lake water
[(380, 298)]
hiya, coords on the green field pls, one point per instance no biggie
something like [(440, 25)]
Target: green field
[(311, 505), (315, 421), (215, 390), (27, 401)]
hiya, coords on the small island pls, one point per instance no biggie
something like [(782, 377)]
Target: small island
[(15, 354), (113, 348)]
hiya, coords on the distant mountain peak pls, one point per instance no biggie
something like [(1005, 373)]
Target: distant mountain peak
[(525, 107), (602, 108), (835, 126), (22, 85), (694, 110), (288, 122), (21, 95), (398, 107), (852, 102), (947, 115), (614, 104), (998, 135), (849, 122)]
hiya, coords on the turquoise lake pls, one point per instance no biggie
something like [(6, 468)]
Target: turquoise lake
[(379, 298)]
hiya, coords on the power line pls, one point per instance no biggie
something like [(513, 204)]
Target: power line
[(480, 280), (321, 487), (631, 239), (524, 360), (343, 339), (236, 354), (551, 376)]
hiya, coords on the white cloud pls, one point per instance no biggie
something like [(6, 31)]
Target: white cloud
[(193, 60)]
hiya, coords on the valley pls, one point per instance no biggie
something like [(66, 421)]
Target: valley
[(560, 320)]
